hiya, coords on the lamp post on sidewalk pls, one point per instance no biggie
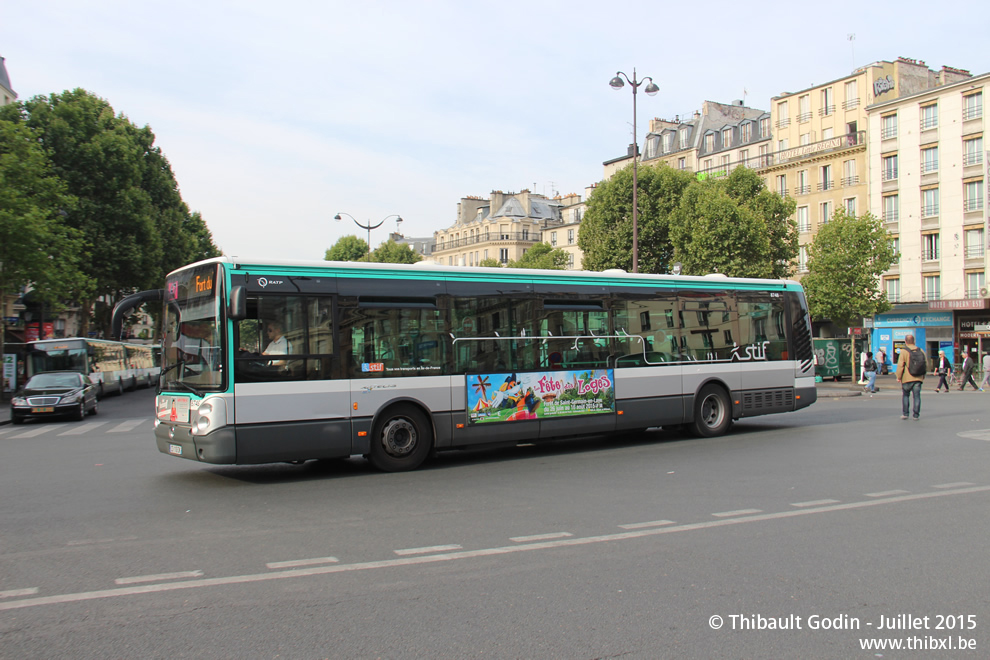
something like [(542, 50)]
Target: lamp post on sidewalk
[(368, 226), (651, 89)]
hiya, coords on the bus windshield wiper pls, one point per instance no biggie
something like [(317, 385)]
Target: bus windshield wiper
[(186, 386), (170, 367)]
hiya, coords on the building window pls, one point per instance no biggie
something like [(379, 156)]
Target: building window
[(803, 259), (651, 147), (668, 142), (932, 288), (849, 176), (929, 160), (803, 187), (725, 164), (553, 238), (973, 106), (827, 133), (782, 185), (710, 142), (888, 127), (973, 195), (828, 103), (805, 139), (975, 247), (892, 286), (850, 205), (503, 255), (929, 117), (895, 246), (570, 237), (825, 181), (890, 208), (727, 138), (826, 213), (764, 155), (852, 95), (570, 260), (782, 117), (681, 163), (929, 203), (746, 131), (889, 168), (803, 219), (744, 157), (765, 127), (804, 108), (930, 247), (782, 144), (682, 137), (974, 282), (973, 151)]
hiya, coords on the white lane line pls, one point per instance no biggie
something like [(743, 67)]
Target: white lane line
[(643, 525), (84, 428), (814, 503), (467, 554), (740, 512), (128, 425), (293, 563), (93, 541), (179, 575), (540, 537), (5, 431), (957, 484), (979, 434), (10, 593), (888, 493), (427, 550), (34, 432)]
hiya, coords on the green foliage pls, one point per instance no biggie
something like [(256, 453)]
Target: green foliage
[(348, 248), (605, 236), (490, 263), (845, 262), (734, 226), (391, 252), (542, 255)]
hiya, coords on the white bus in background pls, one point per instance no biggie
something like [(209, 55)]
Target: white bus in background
[(112, 366)]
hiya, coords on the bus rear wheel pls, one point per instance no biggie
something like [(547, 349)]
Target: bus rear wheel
[(712, 414), (401, 440)]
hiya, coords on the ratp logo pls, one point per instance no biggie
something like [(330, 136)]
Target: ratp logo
[(264, 281)]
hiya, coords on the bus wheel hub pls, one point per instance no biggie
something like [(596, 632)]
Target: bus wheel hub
[(399, 437)]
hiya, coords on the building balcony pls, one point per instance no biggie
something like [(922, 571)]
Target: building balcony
[(491, 237), (972, 113), (848, 181), (850, 104), (826, 111)]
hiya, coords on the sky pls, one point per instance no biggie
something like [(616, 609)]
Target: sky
[(276, 116)]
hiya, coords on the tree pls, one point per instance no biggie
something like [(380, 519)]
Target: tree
[(605, 235), (391, 252), (845, 262), (490, 263), (348, 248), (734, 226), (542, 255)]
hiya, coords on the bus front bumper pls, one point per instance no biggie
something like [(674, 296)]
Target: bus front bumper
[(219, 446)]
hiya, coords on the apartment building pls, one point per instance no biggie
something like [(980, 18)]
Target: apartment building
[(928, 169), (502, 227)]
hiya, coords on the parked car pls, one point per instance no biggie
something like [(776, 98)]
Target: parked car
[(54, 394)]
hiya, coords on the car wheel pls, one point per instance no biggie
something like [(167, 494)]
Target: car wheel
[(80, 413), (96, 407), (401, 440), (712, 414)]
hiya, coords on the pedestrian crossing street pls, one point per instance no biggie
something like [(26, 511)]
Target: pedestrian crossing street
[(68, 428)]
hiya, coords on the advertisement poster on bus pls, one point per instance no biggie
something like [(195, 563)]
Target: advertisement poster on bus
[(511, 397)]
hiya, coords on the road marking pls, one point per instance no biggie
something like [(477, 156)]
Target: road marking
[(302, 562), (94, 541), (128, 425), (740, 512), (468, 554), (79, 430), (979, 434), (642, 525), (34, 432), (814, 503), (10, 593), (427, 550), (888, 493), (180, 575), (958, 484), (540, 537)]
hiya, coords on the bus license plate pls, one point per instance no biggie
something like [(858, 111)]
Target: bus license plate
[(175, 449), (43, 409)]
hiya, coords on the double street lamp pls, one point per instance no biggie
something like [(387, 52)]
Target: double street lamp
[(369, 226), (651, 89)]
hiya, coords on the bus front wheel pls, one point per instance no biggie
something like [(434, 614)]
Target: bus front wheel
[(712, 412), (401, 440)]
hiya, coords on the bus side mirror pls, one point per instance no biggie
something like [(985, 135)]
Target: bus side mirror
[(237, 309)]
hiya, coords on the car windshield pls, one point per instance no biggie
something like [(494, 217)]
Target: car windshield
[(54, 380), (191, 356)]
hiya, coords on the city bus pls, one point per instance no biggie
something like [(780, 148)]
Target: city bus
[(112, 366), (282, 361)]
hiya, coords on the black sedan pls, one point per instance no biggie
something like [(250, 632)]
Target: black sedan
[(54, 394)]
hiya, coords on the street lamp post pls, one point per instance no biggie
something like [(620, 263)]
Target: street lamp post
[(369, 226), (651, 89)]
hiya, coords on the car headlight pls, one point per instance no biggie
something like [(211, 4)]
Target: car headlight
[(18, 401)]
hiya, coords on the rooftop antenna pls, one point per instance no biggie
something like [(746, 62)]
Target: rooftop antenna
[(852, 47)]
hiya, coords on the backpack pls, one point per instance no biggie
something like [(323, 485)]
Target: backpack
[(917, 364)]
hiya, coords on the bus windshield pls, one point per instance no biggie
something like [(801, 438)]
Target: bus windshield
[(191, 355)]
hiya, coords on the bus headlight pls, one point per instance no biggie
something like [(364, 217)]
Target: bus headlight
[(209, 416)]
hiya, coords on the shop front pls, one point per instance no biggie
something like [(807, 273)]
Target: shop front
[(973, 333), (932, 330)]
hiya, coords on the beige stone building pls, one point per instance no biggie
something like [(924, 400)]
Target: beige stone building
[(504, 226)]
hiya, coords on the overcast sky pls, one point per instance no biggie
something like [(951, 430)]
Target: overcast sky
[(277, 115)]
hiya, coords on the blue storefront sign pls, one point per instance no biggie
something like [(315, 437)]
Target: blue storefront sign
[(891, 329)]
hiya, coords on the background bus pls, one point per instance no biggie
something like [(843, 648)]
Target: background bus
[(288, 361), (112, 366)]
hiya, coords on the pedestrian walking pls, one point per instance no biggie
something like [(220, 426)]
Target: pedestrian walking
[(943, 367), (870, 370), (882, 361), (911, 369), (986, 370), (967, 378)]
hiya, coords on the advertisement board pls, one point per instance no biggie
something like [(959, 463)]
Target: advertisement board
[(510, 397)]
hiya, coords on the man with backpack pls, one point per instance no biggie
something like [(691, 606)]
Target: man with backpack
[(912, 365)]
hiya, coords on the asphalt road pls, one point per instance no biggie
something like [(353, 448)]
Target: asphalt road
[(841, 515)]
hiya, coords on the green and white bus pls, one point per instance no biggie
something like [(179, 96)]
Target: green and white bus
[(112, 366), (268, 361)]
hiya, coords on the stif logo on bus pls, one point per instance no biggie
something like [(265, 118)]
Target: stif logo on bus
[(372, 366)]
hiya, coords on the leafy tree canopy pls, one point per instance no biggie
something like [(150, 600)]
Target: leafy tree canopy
[(490, 263), (845, 262), (391, 252), (348, 248), (542, 255)]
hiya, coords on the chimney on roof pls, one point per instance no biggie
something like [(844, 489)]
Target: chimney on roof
[(737, 102)]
